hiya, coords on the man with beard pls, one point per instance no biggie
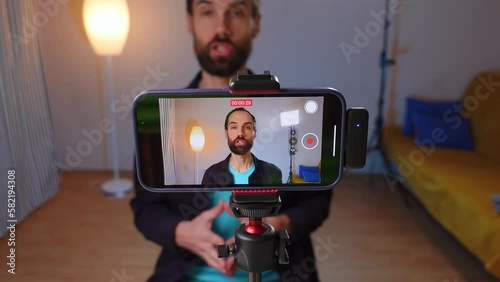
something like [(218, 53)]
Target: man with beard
[(241, 166), (188, 226), (222, 31)]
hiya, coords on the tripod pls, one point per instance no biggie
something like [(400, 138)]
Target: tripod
[(384, 62), (258, 247)]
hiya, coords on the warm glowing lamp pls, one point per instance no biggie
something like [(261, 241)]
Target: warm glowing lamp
[(107, 24), (197, 141)]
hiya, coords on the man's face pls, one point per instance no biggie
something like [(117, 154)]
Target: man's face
[(240, 132), (223, 31)]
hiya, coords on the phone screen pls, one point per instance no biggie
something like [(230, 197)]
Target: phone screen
[(197, 139)]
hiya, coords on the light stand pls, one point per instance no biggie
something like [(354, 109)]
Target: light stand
[(114, 187), (290, 119), (375, 142), (385, 62), (107, 25), (292, 142), (197, 161)]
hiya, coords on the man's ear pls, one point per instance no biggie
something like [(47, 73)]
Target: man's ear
[(256, 26), (189, 19), (225, 133)]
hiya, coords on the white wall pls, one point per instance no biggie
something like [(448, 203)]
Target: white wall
[(442, 45)]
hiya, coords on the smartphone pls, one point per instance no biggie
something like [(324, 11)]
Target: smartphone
[(186, 139)]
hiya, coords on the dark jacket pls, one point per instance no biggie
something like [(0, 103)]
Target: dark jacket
[(157, 214), (218, 175)]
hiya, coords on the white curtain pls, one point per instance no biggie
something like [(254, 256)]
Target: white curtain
[(167, 139), (26, 144)]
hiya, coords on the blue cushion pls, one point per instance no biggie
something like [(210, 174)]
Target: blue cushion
[(303, 168), (416, 106), (310, 176), (436, 131), (496, 202)]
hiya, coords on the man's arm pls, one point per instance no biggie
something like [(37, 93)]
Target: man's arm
[(178, 235), (153, 218), (306, 211)]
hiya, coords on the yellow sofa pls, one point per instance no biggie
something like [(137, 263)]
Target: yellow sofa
[(456, 186)]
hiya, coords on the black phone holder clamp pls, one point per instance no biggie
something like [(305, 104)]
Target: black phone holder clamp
[(254, 83), (258, 246)]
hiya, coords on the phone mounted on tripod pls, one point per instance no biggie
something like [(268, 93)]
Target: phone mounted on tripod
[(305, 131)]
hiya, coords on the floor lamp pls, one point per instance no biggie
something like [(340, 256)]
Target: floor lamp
[(197, 142), (107, 24)]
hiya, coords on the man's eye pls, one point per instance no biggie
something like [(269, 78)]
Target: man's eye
[(237, 13), (207, 13)]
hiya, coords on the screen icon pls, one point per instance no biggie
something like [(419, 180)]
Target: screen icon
[(311, 107), (310, 141)]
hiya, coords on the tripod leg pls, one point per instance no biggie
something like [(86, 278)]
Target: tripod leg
[(254, 277)]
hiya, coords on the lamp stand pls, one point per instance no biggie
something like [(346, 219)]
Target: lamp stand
[(114, 187), (196, 165)]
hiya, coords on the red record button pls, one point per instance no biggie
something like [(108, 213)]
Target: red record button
[(310, 141)]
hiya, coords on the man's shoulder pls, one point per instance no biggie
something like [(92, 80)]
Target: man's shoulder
[(217, 175), (195, 83), (217, 166), (268, 166)]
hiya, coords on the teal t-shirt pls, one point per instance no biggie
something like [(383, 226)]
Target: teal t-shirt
[(225, 225)]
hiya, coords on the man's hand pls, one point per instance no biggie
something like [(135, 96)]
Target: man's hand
[(279, 222), (230, 266), (196, 236)]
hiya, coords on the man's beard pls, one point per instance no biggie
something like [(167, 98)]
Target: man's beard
[(223, 66), (240, 150)]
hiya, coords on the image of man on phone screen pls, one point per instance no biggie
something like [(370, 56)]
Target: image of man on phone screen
[(241, 166)]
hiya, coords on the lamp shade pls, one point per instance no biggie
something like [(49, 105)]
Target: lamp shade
[(106, 24), (197, 139)]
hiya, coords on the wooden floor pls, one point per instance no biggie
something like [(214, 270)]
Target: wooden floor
[(81, 235)]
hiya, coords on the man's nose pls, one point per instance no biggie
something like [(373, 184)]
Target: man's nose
[(223, 26)]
